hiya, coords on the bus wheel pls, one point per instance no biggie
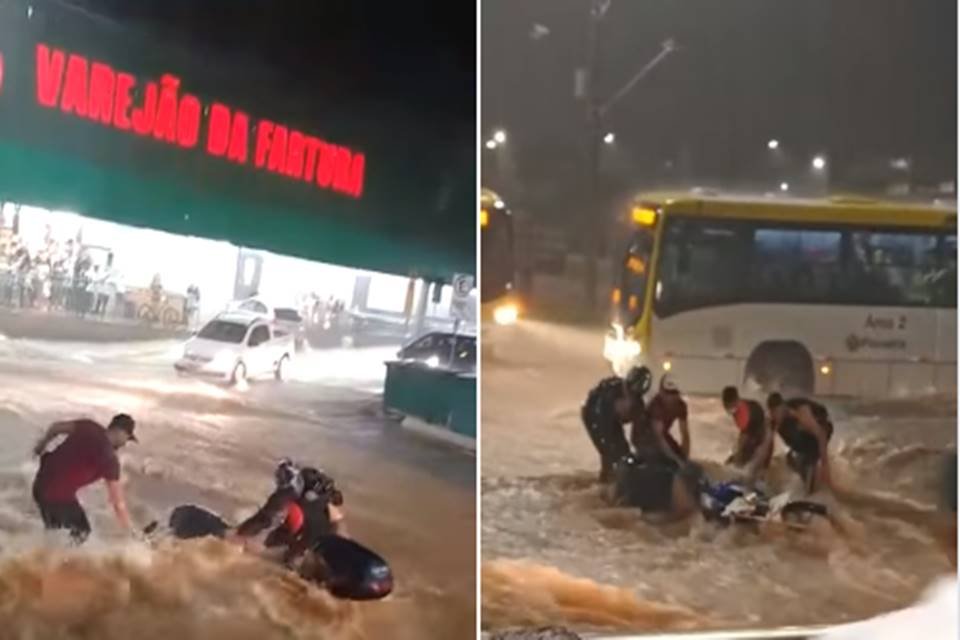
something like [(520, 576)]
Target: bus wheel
[(781, 366)]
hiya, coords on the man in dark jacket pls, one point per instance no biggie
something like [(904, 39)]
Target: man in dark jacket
[(609, 406)]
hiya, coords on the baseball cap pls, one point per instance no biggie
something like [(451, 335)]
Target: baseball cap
[(125, 423), (669, 384)]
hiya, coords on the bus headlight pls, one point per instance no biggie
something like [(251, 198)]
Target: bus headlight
[(619, 349), (506, 314)]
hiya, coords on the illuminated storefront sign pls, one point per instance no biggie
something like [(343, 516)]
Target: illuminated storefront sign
[(159, 110)]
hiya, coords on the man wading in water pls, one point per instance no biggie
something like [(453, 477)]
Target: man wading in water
[(87, 454)]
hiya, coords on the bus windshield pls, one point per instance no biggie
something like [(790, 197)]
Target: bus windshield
[(634, 276), (496, 255)]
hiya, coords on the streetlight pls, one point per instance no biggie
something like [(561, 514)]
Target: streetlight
[(773, 145), (900, 164), (500, 136), (819, 163), (491, 144), (610, 138), (784, 186)]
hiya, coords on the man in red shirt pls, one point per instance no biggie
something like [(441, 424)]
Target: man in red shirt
[(87, 454), (754, 448), (651, 432)]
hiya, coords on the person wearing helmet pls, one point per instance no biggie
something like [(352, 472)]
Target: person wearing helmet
[(609, 406), (806, 429), (652, 438), (316, 514), (754, 447), (304, 505)]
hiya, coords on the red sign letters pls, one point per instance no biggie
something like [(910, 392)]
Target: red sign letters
[(94, 90)]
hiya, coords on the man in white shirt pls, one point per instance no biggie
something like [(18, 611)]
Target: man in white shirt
[(934, 617)]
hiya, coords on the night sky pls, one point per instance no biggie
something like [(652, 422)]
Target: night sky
[(857, 79), (420, 52)]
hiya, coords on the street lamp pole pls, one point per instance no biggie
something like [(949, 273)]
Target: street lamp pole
[(596, 114), (597, 9)]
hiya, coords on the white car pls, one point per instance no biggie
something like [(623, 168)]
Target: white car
[(237, 346)]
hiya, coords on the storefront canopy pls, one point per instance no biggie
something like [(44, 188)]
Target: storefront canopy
[(101, 120)]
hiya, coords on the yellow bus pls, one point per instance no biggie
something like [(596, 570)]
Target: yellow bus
[(499, 301), (842, 296)]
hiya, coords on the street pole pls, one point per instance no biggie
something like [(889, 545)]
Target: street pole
[(596, 114), (592, 254)]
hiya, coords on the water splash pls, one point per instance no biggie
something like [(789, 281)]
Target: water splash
[(205, 589), (519, 593)]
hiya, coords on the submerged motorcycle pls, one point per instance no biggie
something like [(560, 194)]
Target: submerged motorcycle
[(731, 502), (351, 570), (650, 487)]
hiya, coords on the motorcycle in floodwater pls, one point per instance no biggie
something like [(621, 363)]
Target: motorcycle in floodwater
[(731, 502), (352, 571), (650, 486)]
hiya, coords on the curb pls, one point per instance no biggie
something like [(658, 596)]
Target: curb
[(442, 434)]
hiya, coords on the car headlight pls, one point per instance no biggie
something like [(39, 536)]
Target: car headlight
[(506, 314)]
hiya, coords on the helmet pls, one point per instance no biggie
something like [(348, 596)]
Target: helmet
[(638, 380), (287, 476), (321, 484), (669, 384)]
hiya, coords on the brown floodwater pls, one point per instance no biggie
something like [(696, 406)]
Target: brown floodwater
[(409, 499), (555, 552)]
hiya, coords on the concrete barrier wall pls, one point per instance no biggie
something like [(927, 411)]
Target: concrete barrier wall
[(437, 397)]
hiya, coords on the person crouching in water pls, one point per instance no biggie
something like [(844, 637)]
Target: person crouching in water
[(609, 406), (660, 478), (304, 506), (651, 435), (806, 429), (754, 448)]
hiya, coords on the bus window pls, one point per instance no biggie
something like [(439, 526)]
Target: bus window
[(945, 283), (703, 263), (795, 265), (894, 269)]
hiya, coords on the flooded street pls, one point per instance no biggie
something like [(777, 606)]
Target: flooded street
[(409, 499), (555, 552)]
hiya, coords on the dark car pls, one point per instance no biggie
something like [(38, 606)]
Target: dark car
[(290, 322), (443, 350)]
